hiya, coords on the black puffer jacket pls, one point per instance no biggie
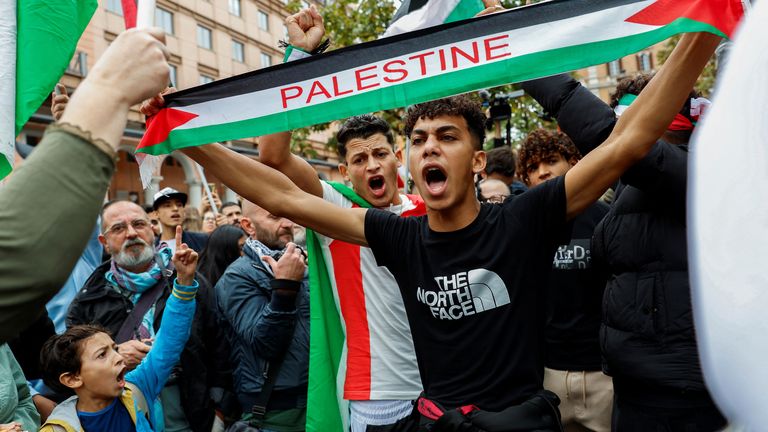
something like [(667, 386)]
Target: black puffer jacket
[(647, 337), (204, 368)]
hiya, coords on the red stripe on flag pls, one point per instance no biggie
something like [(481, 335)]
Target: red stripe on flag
[(160, 125), (722, 14), (349, 282), (130, 11)]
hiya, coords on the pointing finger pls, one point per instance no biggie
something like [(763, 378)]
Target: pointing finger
[(178, 237)]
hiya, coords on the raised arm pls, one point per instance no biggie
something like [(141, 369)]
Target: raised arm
[(273, 191), (275, 152), (70, 172), (641, 124), (305, 31)]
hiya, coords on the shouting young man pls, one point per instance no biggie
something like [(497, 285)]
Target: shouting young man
[(476, 314)]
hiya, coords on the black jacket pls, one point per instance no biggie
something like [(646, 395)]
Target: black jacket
[(647, 336), (203, 366)]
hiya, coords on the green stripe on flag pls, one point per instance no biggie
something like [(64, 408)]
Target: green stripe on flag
[(465, 8), (5, 166), (327, 341), (517, 69), (48, 31)]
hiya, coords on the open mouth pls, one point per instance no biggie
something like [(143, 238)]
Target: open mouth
[(121, 377), (377, 186), (435, 179)]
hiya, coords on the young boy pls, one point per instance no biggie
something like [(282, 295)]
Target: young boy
[(85, 360), (574, 295)]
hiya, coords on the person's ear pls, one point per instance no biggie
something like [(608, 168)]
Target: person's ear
[(399, 156), (344, 171), (103, 241), (478, 162), (71, 380), (247, 226), (573, 161)]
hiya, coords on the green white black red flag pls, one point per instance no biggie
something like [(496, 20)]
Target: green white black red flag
[(517, 45)]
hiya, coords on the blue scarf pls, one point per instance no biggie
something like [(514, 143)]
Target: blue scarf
[(137, 283)]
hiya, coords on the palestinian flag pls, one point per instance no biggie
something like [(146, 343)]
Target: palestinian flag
[(37, 41), (517, 45), (419, 14)]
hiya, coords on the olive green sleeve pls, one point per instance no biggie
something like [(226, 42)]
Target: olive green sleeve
[(47, 211)]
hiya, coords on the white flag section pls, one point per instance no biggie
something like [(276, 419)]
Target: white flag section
[(8, 87), (728, 220)]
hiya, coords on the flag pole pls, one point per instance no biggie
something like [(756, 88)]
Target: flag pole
[(148, 164), (8, 31), (145, 15), (207, 189)]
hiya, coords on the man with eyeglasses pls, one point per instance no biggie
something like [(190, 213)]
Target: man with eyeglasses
[(127, 296)]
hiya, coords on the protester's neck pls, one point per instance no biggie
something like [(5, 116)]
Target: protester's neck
[(453, 218), (90, 403), (169, 233)]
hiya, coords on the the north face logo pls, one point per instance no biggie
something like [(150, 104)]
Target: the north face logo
[(464, 294)]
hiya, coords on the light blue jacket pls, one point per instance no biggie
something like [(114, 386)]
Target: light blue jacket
[(149, 377)]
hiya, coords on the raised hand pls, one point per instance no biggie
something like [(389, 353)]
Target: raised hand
[(305, 29), (491, 6), (145, 53), (184, 260), (59, 101), (133, 352), (151, 106), (291, 265)]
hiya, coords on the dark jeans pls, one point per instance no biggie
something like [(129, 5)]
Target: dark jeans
[(630, 417)]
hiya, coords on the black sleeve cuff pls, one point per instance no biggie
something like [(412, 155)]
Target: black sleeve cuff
[(284, 294)]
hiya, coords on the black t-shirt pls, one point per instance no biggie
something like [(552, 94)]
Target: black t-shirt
[(475, 297), (574, 299)]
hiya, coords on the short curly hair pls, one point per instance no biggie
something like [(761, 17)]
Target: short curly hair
[(460, 105), (541, 144), (362, 126), (61, 354)]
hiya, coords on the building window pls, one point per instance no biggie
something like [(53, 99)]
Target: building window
[(266, 60), (614, 68), (238, 51), (173, 75), (644, 62), (234, 7), (115, 6), (204, 37), (263, 21), (164, 19), (205, 79)]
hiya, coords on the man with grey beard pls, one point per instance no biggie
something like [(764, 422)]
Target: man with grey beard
[(127, 296)]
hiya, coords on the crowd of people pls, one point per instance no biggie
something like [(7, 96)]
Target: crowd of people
[(509, 292)]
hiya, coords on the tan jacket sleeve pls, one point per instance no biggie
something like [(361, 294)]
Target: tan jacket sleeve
[(47, 211)]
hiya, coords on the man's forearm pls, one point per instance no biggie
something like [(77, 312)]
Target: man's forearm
[(649, 116), (47, 211), (252, 180)]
